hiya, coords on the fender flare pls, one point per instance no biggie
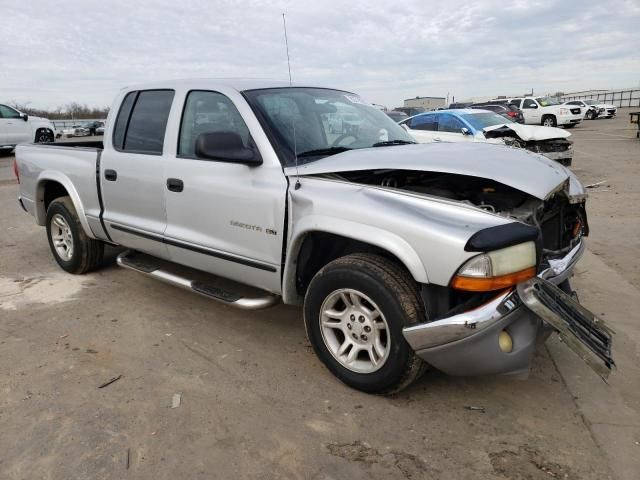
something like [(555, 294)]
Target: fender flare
[(377, 237), (40, 212)]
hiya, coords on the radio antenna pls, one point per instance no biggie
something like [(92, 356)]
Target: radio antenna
[(293, 124)]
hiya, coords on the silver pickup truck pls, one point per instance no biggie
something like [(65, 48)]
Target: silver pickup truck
[(403, 255)]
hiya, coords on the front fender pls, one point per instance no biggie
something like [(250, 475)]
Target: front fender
[(55, 176), (371, 235)]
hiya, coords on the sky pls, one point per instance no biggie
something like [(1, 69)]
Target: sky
[(53, 53)]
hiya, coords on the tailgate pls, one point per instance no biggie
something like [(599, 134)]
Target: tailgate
[(580, 329)]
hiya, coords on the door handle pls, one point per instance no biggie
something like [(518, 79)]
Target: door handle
[(110, 175), (175, 184)]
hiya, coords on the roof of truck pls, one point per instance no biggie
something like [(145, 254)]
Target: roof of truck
[(239, 84)]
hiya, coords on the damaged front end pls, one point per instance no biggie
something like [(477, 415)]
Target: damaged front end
[(555, 148), (500, 336), (473, 333)]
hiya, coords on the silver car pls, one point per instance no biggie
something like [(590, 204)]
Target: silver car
[(402, 255)]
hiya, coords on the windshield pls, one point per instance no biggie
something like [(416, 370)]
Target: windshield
[(546, 101), (590, 102), (481, 120), (325, 122)]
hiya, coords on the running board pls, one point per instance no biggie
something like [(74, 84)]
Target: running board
[(156, 268)]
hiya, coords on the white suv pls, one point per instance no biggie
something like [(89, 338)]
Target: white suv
[(17, 127), (547, 112)]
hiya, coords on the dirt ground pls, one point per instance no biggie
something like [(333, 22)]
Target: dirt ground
[(256, 403)]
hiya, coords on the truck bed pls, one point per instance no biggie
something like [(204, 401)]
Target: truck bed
[(73, 165)]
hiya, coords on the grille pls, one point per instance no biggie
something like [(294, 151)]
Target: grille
[(575, 110)]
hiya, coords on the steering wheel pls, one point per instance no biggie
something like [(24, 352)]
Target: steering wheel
[(337, 141)]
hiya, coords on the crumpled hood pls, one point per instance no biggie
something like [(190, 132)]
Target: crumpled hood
[(526, 171), (531, 132)]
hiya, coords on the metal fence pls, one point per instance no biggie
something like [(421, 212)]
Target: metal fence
[(629, 97), (60, 124)]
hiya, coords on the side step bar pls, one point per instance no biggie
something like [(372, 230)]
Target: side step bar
[(151, 266)]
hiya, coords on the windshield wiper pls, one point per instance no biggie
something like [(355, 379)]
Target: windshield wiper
[(323, 151), (392, 142)]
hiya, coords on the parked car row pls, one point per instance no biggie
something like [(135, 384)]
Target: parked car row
[(544, 111), (84, 129)]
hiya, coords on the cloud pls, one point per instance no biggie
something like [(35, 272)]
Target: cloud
[(55, 52)]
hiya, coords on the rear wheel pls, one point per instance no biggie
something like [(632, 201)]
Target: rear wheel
[(549, 121), (354, 312), (72, 249)]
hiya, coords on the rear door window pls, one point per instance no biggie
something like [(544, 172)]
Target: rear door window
[(142, 121)]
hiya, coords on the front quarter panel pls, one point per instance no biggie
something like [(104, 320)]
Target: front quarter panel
[(426, 234)]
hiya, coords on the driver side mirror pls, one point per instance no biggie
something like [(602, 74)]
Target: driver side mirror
[(465, 131), (226, 147), (24, 116)]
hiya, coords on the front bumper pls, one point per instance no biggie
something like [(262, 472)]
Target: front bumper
[(564, 158), (468, 343), (570, 119)]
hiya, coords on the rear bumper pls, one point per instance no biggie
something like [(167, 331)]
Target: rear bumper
[(468, 344)]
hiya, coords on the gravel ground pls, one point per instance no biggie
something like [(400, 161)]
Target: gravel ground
[(256, 403)]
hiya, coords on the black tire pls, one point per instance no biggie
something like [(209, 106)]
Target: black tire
[(43, 136), (87, 253), (589, 115), (395, 293), (551, 119)]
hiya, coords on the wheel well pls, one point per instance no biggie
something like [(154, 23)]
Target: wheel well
[(320, 248), (51, 191), (41, 129)]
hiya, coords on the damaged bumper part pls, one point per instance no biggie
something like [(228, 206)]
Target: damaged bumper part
[(500, 336), (581, 330), (470, 343)]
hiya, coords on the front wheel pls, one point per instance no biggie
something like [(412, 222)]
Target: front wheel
[(354, 313), (589, 115), (72, 249), (44, 136), (549, 121)]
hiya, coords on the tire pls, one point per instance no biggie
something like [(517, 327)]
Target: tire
[(63, 225), (43, 136), (589, 115), (549, 121), (381, 285)]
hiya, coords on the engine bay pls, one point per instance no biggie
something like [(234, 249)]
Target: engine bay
[(561, 223)]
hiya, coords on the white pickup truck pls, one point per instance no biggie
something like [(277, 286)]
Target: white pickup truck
[(547, 112), (404, 255), (17, 127)]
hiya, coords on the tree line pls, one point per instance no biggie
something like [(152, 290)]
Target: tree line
[(71, 110)]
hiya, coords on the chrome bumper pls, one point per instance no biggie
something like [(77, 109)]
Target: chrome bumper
[(468, 344)]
